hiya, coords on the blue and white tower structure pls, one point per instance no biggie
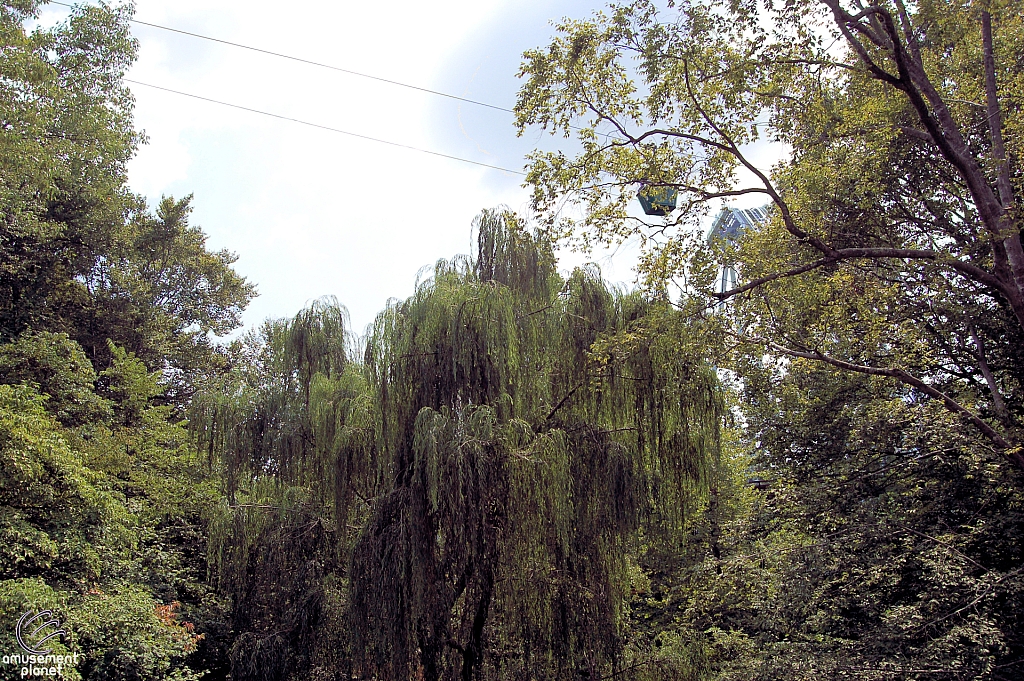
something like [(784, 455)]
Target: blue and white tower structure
[(725, 231)]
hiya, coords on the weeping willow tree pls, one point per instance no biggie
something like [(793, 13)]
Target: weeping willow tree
[(276, 425), (475, 486), (527, 427)]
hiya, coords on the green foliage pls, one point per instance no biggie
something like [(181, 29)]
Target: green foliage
[(524, 475), (887, 548), (81, 254), (104, 503), (133, 636), (52, 512), (273, 426), (159, 293), (32, 594), (179, 277), (479, 483), (123, 635), (59, 369), (128, 385), (122, 508), (875, 333), (893, 244), (66, 139)]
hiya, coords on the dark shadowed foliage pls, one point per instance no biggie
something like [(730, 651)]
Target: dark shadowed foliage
[(471, 494)]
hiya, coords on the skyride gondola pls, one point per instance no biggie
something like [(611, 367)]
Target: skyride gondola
[(657, 200)]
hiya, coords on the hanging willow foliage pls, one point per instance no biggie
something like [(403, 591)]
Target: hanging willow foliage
[(522, 459), (276, 425), (482, 476)]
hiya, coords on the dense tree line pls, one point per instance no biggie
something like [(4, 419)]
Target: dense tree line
[(874, 339), (107, 313), (467, 498), (526, 474)]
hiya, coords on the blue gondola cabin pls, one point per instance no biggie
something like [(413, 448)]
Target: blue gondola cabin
[(658, 200)]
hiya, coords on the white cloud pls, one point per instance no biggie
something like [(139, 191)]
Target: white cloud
[(310, 212)]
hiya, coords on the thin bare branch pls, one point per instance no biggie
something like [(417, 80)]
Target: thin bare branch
[(998, 406), (1012, 453), (968, 270), (733, 148)]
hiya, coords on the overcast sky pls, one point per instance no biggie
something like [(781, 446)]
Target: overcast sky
[(310, 212)]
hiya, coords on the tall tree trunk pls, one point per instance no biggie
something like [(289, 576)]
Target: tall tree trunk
[(1009, 231), (473, 656)]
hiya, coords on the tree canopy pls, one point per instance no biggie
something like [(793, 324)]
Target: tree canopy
[(873, 338), (521, 473), (81, 253), (108, 313), (894, 243), (491, 467)]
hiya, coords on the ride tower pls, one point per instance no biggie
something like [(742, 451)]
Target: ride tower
[(726, 230)]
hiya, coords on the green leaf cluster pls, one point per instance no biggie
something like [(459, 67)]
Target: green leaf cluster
[(109, 313), (469, 498), (873, 339)]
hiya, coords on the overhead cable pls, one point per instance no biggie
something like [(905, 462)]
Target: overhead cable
[(323, 127), (310, 62), (326, 66)]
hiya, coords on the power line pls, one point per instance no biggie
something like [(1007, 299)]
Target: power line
[(325, 66), (310, 62), (323, 127)]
